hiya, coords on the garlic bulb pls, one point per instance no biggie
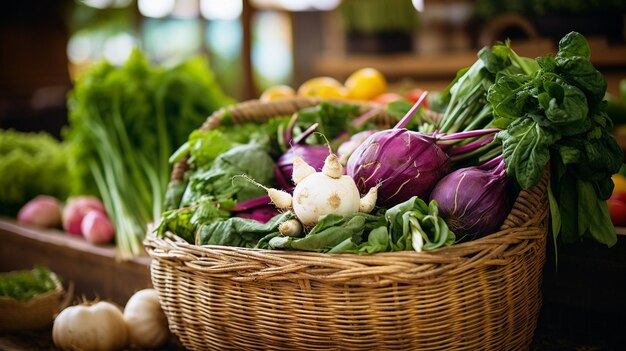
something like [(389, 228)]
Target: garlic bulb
[(147, 324), (95, 327)]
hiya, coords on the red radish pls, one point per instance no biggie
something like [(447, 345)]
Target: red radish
[(97, 228), (43, 211), (76, 208)]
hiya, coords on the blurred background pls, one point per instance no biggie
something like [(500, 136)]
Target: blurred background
[(254, 44)]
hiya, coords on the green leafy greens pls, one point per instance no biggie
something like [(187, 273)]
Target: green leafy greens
[(26, 284), (556, 114), (412, 224), (31, 164), (124, 124)]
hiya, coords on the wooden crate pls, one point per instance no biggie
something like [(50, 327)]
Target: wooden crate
[(93, 269)]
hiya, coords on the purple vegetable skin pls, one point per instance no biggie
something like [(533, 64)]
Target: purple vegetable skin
[(347, 147), (474, 201), (314, 155), (406, 164), (260, 214), (260, 209)]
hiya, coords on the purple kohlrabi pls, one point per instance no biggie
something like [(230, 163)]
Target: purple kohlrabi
[(403, 162), (474, 201)]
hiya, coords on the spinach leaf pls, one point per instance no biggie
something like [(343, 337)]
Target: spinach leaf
[(526, 150), (220, 179), (574, 44), (509, 98), (397, 229), (412, 224), (237, 231), (565, 108), (581, 73), (332, 230), (593, 216)]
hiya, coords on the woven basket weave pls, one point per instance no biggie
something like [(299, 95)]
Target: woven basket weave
[(478, 295), (36, 313)]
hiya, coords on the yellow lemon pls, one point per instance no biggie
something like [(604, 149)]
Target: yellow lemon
[(620, 183), (277, 92), (324, 87), (366, 84)]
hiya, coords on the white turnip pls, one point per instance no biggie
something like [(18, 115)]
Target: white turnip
[(320, 193)]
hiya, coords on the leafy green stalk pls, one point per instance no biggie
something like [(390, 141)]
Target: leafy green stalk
[(124, 123)]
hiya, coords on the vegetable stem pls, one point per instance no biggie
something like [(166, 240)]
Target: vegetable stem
[(411, 112)]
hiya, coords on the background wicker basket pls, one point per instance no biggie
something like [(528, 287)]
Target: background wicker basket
[(36, 313), (479, 295)]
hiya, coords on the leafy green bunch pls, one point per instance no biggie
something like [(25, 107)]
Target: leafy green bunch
[(31, 164), (124, 123), (556, 113)]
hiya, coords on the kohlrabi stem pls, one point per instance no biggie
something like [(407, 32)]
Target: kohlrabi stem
[(473, 153), (492, 163), (359, 121), (471, 146), (411, 112), (468, 134), (490, 154), (289, 129), (500, 168), (306, 134)]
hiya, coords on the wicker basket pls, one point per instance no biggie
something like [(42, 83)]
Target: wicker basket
[(479, 295), (36, 313)]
